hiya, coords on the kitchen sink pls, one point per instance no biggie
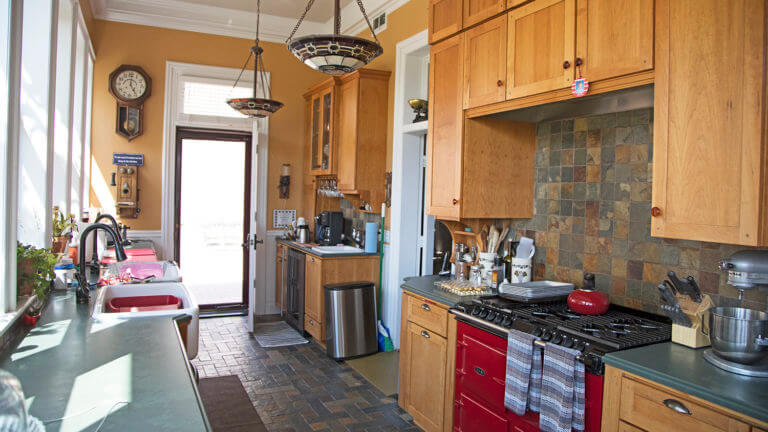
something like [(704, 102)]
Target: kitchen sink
[(336, 249), (189, 306)]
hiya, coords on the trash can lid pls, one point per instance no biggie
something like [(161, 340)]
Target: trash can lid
[(348, 286)]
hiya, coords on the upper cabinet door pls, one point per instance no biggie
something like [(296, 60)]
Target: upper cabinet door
[(444, 137), (709, 170), (476, 11), (321, 135), (541, 47), (444, 19), (485, 63), (348, 106), (615, 37)]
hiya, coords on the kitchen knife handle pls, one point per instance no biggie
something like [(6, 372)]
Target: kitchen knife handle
[(677, 406), (706, 333)]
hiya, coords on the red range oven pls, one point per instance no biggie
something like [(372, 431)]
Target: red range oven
[(479, 395)]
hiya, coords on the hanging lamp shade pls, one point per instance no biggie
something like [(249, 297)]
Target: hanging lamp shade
[(255, 106), (334, 54)]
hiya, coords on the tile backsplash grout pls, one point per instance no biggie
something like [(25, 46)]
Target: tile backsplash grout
[(592, 213)]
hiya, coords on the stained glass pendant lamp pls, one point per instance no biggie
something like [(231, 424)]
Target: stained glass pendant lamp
[(334, 54), (255, 106)]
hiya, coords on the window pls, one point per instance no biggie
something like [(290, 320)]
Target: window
[(204, 101), (62, 116)]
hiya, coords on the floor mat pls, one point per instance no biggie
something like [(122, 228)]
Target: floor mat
[(276, 334), (379, 369), (227, 405)]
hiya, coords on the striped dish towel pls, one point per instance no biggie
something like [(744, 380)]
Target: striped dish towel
[(520, 353), (562, 390), (534, 389)]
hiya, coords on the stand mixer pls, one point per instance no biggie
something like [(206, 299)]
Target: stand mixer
[(739, 336)]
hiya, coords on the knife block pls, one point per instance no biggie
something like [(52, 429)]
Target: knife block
[(694, 336)]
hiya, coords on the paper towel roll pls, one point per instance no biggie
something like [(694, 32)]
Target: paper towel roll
[(371, 237)]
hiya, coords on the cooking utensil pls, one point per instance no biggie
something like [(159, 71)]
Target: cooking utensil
[(502, 236), (739, 334), (587, 300), (493, 238), (672, 308), (687, 287)]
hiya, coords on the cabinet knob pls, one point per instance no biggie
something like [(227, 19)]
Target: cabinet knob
[(500, 83), (655, 212), (312, 260), (579, 61), (455, 201), (425, 334), (425, 307), (566, 64)]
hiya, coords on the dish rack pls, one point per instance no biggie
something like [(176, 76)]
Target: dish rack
[(463, 288)]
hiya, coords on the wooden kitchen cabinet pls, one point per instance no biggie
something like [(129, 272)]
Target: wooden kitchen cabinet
[(614, 37), (478, 168), (633, 404), (427, 363), (313, 288), (444, 19), (540, 47), (280, 266), (476, 11), (321, 117), (362, 134), (485, 63), (710, 179)]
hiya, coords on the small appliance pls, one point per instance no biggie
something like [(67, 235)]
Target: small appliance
[(329, 227), (587, 300)]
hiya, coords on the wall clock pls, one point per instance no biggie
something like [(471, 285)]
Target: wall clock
[(130, 86)]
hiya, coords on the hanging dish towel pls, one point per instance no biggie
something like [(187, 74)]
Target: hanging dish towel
[(517, 383), (534, 389), (562, 390)]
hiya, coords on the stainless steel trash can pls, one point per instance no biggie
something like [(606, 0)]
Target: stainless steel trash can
[(350, 317)]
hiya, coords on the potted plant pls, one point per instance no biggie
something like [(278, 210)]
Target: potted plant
[(33, 276), (62, 230)]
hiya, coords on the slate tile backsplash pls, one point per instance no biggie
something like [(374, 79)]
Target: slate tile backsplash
[(592, 213)]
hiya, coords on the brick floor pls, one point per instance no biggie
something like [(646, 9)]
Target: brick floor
[(296, 388)]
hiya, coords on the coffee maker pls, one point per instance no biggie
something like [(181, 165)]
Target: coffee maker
[(329, 227)]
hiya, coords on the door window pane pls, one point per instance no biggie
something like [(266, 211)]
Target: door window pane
[(77, 123), (62, 117)]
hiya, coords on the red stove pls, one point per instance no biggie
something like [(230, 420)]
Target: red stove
[(481, 352)]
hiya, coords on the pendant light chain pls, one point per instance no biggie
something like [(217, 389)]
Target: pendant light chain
[(298, 23), (367, 21), (336, 22)]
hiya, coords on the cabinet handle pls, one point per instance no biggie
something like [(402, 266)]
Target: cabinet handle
[(312, 260), (677, 406), (425, 334), (311, 322), (566, 64), (499, 83), (425, 307), (455, 201), (479, 371), (579, 61), (655, 212)]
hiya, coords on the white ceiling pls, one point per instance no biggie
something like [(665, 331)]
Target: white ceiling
[(237, 18), (321, 11)]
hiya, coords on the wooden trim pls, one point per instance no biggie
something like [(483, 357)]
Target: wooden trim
[(322, 85), (435, 36), (402, 396), (612, 399), (660, 114), (608, 85), (470, 20), (450, 375)]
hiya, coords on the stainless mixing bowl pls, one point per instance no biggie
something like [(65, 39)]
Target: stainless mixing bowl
[(739, 334)]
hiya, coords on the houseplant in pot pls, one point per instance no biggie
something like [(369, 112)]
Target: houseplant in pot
[(33, 277), (61, 230)]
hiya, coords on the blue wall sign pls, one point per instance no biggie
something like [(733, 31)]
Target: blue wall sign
[(130, 159)]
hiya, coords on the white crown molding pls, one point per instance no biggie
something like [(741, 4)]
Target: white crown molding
[(180, 15)]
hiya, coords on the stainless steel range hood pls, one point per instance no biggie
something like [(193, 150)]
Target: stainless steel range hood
[(618, 101)]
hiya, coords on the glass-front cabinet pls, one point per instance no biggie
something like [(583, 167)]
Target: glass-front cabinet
[(321, 131)]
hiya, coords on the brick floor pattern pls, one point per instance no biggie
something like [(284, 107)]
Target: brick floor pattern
[(296, 388)]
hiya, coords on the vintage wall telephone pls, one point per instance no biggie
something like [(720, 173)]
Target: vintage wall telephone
[(126, 180)]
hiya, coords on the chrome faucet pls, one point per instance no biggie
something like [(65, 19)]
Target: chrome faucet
[(83, 293)]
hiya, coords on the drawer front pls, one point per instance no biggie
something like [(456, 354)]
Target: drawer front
[(471, 416), (652, 409), (481, 365), (626, 427), (428, 315), (314, 327)]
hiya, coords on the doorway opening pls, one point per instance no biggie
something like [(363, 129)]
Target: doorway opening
[(212, 224)]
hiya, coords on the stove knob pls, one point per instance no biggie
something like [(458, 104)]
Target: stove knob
[(507, 321), (491, 316), (556, 339), (546, 336), (537, 332), (567, 342), (499, 319), (483, 313), (580, 345), (476, 310)]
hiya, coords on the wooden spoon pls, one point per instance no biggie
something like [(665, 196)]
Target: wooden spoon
[(501, 239)]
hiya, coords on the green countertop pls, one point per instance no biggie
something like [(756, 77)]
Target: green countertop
[(425, 287), (71, 366), (686, 370), (309, 250)]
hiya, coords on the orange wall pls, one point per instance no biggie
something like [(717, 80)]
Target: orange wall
[(150, 48)]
